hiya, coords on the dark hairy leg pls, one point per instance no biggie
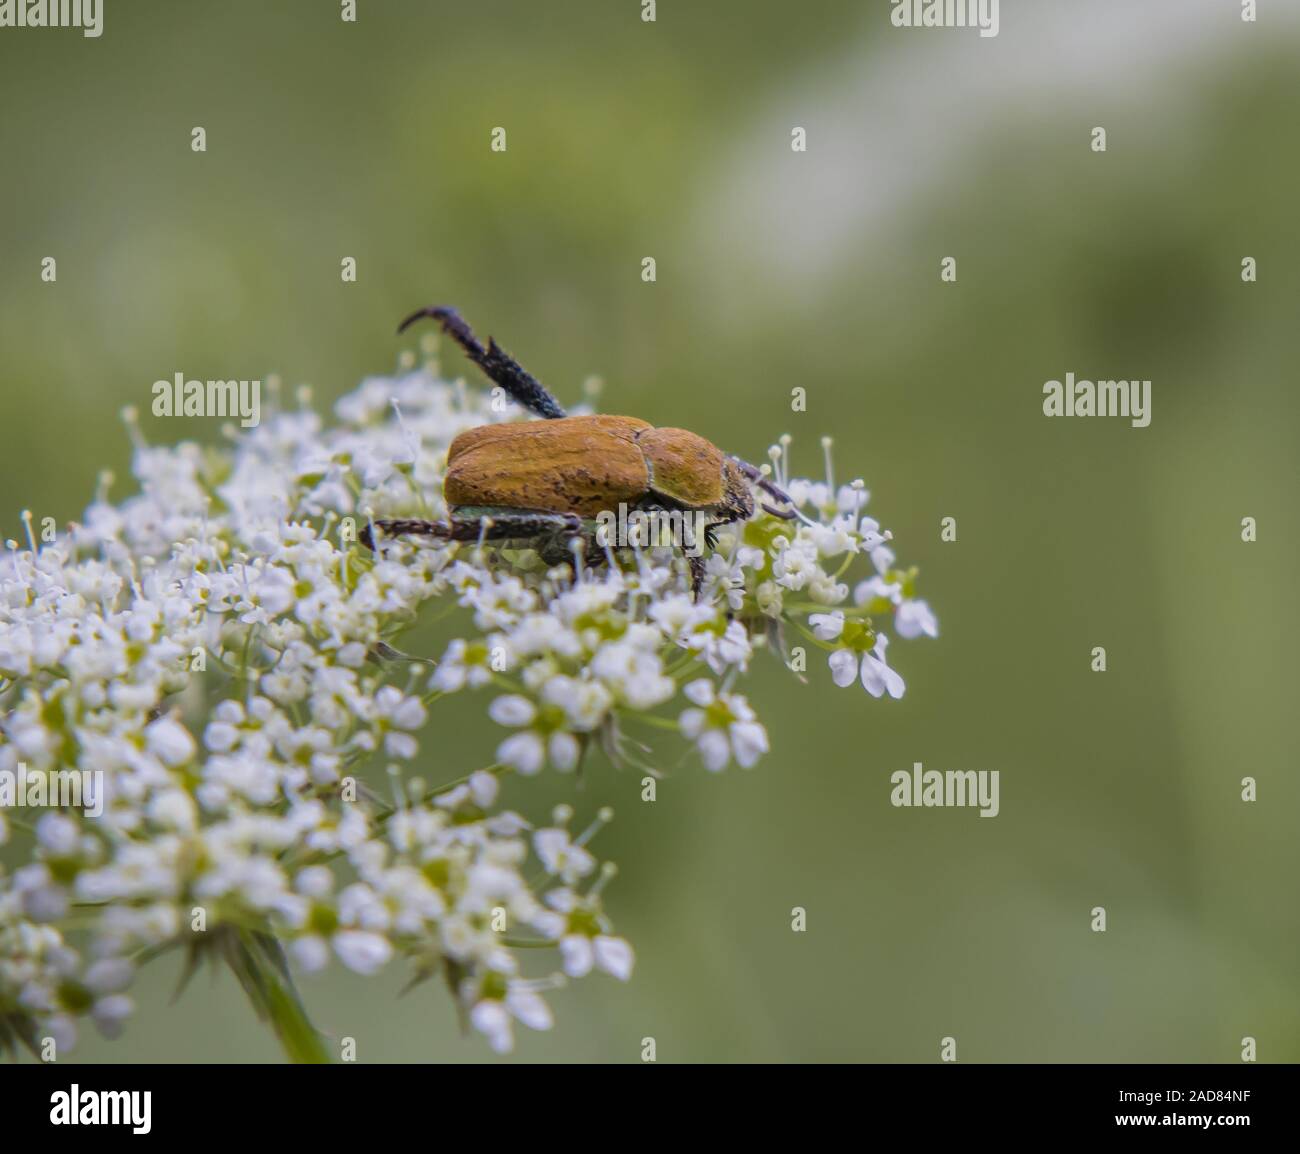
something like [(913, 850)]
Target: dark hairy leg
[(499, 527), (499, 366), (554, 535)]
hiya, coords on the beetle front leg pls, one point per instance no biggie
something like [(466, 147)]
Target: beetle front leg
[(695, 563)]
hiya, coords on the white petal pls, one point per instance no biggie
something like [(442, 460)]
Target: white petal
[(410, 714), (749, 739), (827, 626), (550, 845), (691, 723), (524, 752), (483, 787), (109, 1013), (529, 1008), (513, 709), (915, 618), (109, 975), (578, 955), (699, 692), (314, 881), (312, 953), (844, 667), (489, 1018), (169, 741), (614, 956), (57, 834), (878, 678), (715, 750), (563, 750), (364, 952), (550, 924)]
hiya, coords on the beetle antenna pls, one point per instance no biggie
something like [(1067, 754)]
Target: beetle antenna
[(498, 365), (756, 475)]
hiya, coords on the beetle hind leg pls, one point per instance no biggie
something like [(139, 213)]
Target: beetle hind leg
[(496, 527), (500, 367)]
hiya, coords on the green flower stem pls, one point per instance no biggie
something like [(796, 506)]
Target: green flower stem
[(259, 964), (652, 719)]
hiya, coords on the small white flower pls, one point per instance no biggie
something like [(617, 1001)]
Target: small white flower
[(561, 857), (463, 665), (492, 1017), (366, 953), (914, 619), (877, 678), (722, 726), (581, 954), (170, 742), (827, 626)]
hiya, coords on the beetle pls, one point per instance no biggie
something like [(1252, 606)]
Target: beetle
[(544, 483)]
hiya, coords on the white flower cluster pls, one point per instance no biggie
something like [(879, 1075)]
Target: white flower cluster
[(222, 651)]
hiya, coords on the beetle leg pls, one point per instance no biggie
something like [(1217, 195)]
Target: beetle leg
[(499, 366), (696, 565), (499, 527)]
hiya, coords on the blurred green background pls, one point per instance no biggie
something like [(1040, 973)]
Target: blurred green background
[(775, 269)]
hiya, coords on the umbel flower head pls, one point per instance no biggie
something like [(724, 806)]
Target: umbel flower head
[(218, 660)]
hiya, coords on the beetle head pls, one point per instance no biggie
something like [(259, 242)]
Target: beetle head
[(738, 498)]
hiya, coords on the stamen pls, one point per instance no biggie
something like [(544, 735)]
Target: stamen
[(537, 985), (578, 548), (12, 546), (395, 781), (603, 818), (273, 384), (412, 441), (131, 418), (608, 872), (26, 516)]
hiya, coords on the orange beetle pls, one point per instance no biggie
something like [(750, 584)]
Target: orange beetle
[(546, 483)]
